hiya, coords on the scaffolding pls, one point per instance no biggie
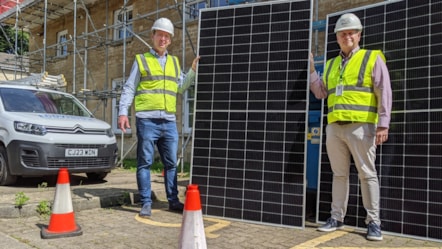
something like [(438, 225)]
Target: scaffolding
[(35, 15)]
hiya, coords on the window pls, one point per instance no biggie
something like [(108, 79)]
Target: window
[(41, 102), (218, 3), (188, 101), (117, 84), (119, 16), (62, 46), (193, 7)]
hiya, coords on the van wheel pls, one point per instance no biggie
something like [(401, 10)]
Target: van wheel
[(94, 176), (5, 177)]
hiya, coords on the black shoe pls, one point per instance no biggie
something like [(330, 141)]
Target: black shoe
[(176, 206), (331, 225), (146, 211), (374, 231)]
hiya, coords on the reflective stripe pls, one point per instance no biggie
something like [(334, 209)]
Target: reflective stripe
[(363, 67), (353, 108), (150, 78), (156, 91), (328, 71), (353, 88), (175, 63), (145, 65)]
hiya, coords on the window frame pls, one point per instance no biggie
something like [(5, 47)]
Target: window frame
[(188, 115), (193, 7), (119, 29), (62, 46)]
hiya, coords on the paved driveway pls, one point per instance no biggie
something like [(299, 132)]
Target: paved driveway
[(106, 223)]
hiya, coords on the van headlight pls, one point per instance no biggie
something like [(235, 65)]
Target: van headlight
[(109, 132), (29, 128)]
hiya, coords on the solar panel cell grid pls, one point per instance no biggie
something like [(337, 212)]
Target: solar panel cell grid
[(250, 115)]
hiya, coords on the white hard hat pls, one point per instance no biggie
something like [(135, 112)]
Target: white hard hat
[(163, 24), (347, 22)]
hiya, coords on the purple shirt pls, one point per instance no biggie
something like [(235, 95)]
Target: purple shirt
[(381, 87)]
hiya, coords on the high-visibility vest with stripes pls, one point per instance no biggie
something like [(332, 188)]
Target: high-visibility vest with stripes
[(158, 88), (358, 102)]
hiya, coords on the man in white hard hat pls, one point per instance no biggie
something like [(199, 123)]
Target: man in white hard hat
[(154, 82), (357, 84)]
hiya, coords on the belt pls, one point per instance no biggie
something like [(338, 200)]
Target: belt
[(344, 122)]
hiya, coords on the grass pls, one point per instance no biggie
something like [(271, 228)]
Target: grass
[(156, 168)]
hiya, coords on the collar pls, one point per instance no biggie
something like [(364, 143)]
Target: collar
[(356, 49), (152, 51)]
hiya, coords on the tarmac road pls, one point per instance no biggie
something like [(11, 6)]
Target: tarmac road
[(107, 212)]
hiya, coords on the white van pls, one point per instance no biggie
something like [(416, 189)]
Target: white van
[(43, 130)]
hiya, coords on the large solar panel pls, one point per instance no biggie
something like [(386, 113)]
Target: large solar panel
[(250, 111), (410, 163)]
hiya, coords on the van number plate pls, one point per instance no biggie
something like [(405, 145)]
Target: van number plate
[(81, 152)]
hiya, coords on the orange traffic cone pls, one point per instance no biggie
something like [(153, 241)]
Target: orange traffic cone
[(62, 222), (192, 228)]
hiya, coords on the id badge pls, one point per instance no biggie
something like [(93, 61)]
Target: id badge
[(339, 90)]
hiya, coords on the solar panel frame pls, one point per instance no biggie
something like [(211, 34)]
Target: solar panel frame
[(251, 102), (409, 164)]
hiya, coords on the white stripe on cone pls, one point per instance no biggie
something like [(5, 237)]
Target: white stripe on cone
[(63, 201), (192, 234)]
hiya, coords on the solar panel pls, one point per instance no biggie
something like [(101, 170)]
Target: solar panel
[(410, 163), (251, 107)]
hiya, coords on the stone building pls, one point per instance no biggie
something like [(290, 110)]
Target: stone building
[(85, 41)]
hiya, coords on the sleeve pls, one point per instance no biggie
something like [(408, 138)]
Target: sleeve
[(187, 80), (129, 89), (383, 92), (317, 86)]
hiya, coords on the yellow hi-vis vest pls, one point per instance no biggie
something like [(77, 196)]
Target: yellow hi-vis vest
[(158, 88), (358, 102)]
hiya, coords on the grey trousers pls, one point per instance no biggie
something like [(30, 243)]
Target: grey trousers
[(356, 140)]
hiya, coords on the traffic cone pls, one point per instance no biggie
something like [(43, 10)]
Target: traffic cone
[(192, 234), (62, 221)]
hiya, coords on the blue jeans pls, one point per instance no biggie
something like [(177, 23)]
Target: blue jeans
[(164, 135)]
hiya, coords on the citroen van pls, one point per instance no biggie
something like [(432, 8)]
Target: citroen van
[(43, 130)]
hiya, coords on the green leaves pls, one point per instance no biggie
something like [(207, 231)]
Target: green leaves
[(8, 37)]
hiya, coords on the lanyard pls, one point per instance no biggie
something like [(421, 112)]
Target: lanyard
[(340, 86), (342, 67)]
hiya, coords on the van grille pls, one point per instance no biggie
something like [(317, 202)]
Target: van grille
[(54, 162), (81, 146), (75, 130)]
